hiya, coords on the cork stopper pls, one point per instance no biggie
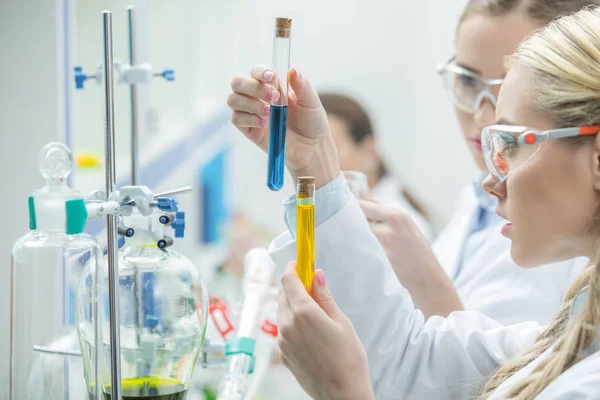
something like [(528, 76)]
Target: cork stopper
[(306, 186), (283, 27)]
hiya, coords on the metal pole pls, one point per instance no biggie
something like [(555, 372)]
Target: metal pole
[(173, 192), (111, 220), (134, 154), (133, 98)]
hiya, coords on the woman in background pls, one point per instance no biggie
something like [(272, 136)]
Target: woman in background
[(356, 144)]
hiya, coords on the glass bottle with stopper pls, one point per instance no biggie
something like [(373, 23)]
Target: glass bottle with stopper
[(46, 266)]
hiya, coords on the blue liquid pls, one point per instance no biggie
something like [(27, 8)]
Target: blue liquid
[(276, 158)]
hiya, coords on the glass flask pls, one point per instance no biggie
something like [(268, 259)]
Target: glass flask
[(163, 309), (46, 266), (57, 369)]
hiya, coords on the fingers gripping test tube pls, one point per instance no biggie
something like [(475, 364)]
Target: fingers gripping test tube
[(278, 118), (305, 235)]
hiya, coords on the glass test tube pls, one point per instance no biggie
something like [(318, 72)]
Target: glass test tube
[(278, 118), (305, 231)]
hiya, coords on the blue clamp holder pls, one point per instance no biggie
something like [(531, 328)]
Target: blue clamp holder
[(167, 204), (80, 77), (178, 224), (167, 73)]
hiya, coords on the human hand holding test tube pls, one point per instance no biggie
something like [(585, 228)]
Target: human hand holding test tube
[(310, 150), (314, 332)]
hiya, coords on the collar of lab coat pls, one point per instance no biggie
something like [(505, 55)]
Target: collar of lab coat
[(449, 244), (576, 309), (578, 303)]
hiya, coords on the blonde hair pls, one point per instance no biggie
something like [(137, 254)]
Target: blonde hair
[(565, 59), (542, 11)]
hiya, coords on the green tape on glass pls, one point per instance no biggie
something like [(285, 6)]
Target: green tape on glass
[(32, 224), (252, 365), (76, 216), (238, 345)]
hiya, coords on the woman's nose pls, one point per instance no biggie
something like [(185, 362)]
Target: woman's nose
[(485, 113), (494, 187)]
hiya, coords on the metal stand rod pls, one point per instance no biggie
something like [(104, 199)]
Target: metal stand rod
[(139, 312), (133, 98), (111, 220), (173, 192)]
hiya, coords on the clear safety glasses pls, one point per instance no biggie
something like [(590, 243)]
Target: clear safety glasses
[(507, 147), (466, 89)]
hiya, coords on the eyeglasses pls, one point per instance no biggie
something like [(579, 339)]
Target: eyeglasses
[(507, 147), (466, 89)]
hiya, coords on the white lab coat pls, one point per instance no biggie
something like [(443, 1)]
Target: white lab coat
[(490, 282), (410, 358), (388, 191)]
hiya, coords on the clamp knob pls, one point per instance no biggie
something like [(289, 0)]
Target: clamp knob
[(81, 77), (164, 242), (167, 204), (178, 224), (167, 73), (127, 232)]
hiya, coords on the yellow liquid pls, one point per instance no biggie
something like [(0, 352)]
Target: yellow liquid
[(305, 242), (150, 388)]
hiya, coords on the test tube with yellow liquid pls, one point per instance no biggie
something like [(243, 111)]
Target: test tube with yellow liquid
[(305, 234)]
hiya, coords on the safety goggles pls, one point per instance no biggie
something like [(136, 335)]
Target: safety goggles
[(466, 89), (507, 147)]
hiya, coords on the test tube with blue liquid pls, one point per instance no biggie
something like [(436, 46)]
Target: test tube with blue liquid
[(278, 116)]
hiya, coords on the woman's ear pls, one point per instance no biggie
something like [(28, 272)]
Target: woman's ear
[(596, 163), (596, 171)]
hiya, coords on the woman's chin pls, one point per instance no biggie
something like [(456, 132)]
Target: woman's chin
[(524, 258)]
